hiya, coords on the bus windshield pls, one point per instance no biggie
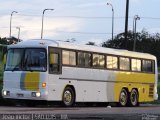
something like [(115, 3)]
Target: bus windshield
[(30, 59)]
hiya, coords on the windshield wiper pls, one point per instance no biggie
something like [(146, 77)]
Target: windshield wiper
[(29, 69), (17, 66)]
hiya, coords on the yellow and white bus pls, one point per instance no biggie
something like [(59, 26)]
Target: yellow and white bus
[(61, 71)]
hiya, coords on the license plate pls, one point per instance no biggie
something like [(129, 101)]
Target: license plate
[(19, 95)]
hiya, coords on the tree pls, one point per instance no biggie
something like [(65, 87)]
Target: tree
[(8, 41), (3, 41), (119, 42), (91, 43)]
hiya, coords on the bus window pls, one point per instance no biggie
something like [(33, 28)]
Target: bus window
[(147, 66), (112, 62), (35, 59), (98, 60), (55, 66), (14, 60), (84, 59), (53, 62), (69, 57), (124, 63), (136, 65)]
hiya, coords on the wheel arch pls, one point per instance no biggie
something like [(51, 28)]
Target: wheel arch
[(72, 87), (126, 88), (129, 90)]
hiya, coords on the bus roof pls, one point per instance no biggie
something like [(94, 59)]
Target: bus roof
[(45, 43)]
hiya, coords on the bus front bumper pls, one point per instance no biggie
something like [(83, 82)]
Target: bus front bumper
[(30, 95)]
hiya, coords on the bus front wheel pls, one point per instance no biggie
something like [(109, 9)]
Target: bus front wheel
[(68, 97), (123, 98)]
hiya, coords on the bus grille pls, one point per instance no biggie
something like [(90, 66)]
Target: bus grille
[(151, 90)]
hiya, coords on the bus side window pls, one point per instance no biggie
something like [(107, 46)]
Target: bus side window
[(54, 65), (55, 60), (147, 66)]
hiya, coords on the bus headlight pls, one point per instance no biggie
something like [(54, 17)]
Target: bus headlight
[(38, 94), (6, 93)]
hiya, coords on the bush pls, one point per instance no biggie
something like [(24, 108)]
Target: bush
[(158, 90), (1, 71)]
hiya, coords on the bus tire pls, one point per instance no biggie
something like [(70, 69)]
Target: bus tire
[(133, 98), (123, 98), (68, 97)]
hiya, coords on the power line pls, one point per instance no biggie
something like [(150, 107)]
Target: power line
[(92, 17), (86, 17), (78, 17), (103, 33), (152, 18), (89, 17)]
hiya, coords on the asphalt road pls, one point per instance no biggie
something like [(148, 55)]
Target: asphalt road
[(144, 112)]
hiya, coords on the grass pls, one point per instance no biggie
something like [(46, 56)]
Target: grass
[(158, 90)]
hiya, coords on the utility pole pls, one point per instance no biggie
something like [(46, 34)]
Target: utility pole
[(18, 33), (126, 22), (136, 17), (10, 33), (112, 18)]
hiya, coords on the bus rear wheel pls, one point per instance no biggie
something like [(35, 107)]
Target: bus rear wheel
[(123, 98), (68, 97), (133, 101)]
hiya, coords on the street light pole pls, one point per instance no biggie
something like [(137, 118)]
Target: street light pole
[(136, 17), (112, 18), (43, 20), (11, 23), (18, 33)]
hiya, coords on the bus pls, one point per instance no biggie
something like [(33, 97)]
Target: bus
[(49, 70)]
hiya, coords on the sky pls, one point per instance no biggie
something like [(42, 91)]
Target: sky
[(81, 20)]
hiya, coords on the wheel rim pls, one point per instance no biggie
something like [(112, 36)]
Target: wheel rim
[(67, 97), (133, 98), (123, 98)]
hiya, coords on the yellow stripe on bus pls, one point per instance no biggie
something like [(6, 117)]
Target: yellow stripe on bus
[(135, 77), (31, 81), (130, 80)]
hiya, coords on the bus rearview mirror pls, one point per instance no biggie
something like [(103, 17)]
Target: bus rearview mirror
[(4, 59)]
